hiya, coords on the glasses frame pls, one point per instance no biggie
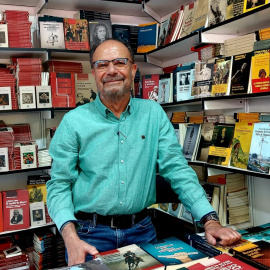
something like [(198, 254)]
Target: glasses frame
[(111, 61)]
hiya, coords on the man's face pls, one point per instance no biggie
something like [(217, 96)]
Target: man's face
[(101, 32), (113, 82), (183, 78), (16, 212), (80, 97)]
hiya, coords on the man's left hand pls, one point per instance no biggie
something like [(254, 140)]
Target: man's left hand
[(215, 232)]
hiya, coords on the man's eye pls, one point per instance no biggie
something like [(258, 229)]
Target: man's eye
[(120, 62), (100, 65)]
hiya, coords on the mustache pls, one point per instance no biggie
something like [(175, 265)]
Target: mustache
[(111, 79)]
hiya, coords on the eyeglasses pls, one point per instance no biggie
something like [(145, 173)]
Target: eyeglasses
[(119, 63)]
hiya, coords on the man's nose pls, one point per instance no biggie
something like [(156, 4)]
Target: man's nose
[(111, 68)]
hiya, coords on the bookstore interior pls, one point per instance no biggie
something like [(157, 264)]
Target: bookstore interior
[(206, 62)]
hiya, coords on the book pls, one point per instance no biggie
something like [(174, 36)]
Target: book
[(5, 98), (127, 257), (99, 30), (260, 69), (259, 148), (256, 254), (28, 155), (220, 149), (250, 5), (184, 78), (4, 162), (121, 32), (76, 34), (172, 27), (221, 261), (27, 97), (173, 252), (191, 141), (3, 36), (200, 16), (150, 85), (221, 77), (256, 233), (163, 32), (165, 88), (51, 33), (15, 209), (238, 7), (147, 37), (37, 214), (174, 209), (217, 12), (2, 240), (44, 96), (85, 88), (241, 144), (240, 73)]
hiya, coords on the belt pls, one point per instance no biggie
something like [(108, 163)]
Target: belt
[(114, 221)]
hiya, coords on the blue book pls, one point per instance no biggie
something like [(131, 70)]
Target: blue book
[(173, 253), (147, 37)]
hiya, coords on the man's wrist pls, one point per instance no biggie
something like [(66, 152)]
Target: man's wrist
[(212, 216)]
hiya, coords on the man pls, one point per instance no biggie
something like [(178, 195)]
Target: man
[(104, 165), (153, 95), (17, 217)]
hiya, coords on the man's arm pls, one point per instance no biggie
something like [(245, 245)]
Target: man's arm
[(77, 249)]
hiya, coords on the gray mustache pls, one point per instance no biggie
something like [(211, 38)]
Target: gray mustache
[(111, 79)]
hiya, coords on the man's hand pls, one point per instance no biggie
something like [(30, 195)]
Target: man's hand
[(77, 249), (215, 232)]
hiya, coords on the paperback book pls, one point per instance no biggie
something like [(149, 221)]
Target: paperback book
[(165, 88), (121, 32), (184, 79), (217, 12), (5, 98), (150, 85), (4, 162), (44, 96), (27, 97), (189, 14)]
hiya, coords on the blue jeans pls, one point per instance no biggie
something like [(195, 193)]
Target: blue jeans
[(105, 238)]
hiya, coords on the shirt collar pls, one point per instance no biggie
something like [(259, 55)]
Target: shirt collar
[(104, 110)]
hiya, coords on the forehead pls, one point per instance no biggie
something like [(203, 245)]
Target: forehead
[(109, 50)]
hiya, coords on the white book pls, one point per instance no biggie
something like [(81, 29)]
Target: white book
[(3, 36), (28, 156), (37, 214), (4, 165), (27, 97), (52, 35), (44, 96), (5, 98)]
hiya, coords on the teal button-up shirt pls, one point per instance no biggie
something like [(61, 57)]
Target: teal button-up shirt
[(107, 165)]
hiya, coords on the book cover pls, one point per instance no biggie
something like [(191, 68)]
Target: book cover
[(221, 76), (173, 253), (3, 240), (5, 98), (147, 37), (220, 262), (3, 35), (185, 214), (189, 14), (121, 32), (217, 12), (172, 27), (44, 96), (260, 69), (251, 4), (27, 97), (28, 155), (200, 16), (174, 209), (163, 32), (256, 233), (76, 34), (205, 141), (191, 141), (127, 257), (241, 144), (150, 85), (184, 80), (238, 7), (15, 209), (165, 88), (220, 149), (240, 73), (99, 30), (259, 152), (85, 88), (52, 35), (4, 162), (256, 254), (37, 214)]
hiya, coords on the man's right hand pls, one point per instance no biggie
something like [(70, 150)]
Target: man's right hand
[(77, 249)]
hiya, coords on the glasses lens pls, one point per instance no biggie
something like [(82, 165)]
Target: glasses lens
[(120, 62), (101, 64)]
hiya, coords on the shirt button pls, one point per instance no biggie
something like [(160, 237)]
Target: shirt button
[(122, 141), (122, 161), (123, 182), (121, 202)]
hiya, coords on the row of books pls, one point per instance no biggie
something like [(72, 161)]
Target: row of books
[(23, 208), (238, 74)]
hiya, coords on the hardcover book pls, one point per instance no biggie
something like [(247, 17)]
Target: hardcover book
[(221, 261), (150, 85), (173, 253), (15, 209), (27, 97), (85, 88), (147, 37), (260, 70), (52, 34), (76, 34), (44, 96), (5, 98), (127, 257), (240, 73), (4, 162), (241, 144), (259, 153)]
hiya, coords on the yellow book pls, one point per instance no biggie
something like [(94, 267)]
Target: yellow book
[(250, 5)]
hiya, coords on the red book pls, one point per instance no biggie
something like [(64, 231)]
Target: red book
[(63, 89), (223, 261), (1, 214), (16, 209), (150, 87)]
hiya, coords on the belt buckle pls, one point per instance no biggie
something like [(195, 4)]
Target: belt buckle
[(112, 224)]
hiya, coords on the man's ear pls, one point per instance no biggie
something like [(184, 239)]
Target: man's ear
[(133, 70)]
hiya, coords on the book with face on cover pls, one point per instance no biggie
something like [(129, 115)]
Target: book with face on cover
[(4, 162), (5, 98)]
